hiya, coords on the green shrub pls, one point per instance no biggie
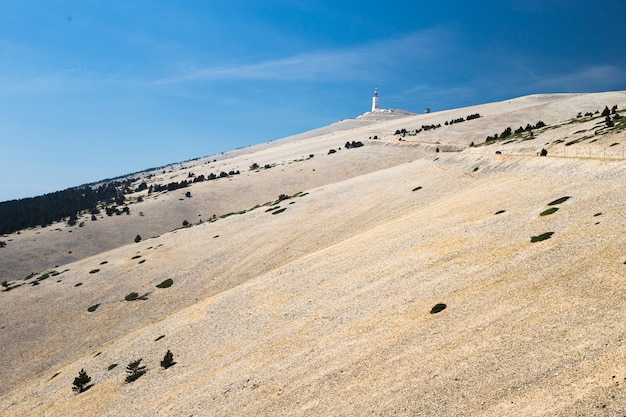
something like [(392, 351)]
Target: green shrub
[(549, 211), (559, 201), (541, 237), (133, 296), (416, 189), (438, 308), (159, 338), (165, 284), (168, 360), (500, 211), (93, 271), (112, 366), (93, 308), (279, 210), (81, 382), (134, 371)]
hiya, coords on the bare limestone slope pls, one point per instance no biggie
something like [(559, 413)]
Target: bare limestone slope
[(323, 308)]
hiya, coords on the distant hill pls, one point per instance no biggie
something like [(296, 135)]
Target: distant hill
[(420, 264)]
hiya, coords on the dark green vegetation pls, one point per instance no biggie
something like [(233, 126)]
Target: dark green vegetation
[(166, 284), (159, 338), (416, 188), (93, 308), (112, 366), (500, 211), (438, 308), (93, 271), (541, 237), (134, 371), (168, 360), (508, 132), (549, 211), (81, 382), (133, 296), (46, 209), (279, 210), (559, 201)]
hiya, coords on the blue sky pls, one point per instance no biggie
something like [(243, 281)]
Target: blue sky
[(96, 89)]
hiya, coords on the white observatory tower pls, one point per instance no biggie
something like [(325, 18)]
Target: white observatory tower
[(375, 100)]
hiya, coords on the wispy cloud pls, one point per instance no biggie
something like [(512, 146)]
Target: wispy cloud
[(339, 64), (586, 78)]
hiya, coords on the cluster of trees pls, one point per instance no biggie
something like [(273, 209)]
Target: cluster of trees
[(155, 188), (606, 112), (509, 132), (49, 208), (353, 144), (461, 120), (134, 371)]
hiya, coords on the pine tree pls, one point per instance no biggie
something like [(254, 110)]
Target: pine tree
[(168, 360), (134, 371), (81, 381)]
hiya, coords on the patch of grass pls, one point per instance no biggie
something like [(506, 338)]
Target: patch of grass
[(499, 212), (438, 308), (597, 214), (613, 144), (559, 201), (78, 284), (93, 308), (112, 366), (93, 271), (104, 262), (136, 257), (159, 338), (142, 261), (541, 237), (416, 188), (166, 284), (279, 210), (549, 211)]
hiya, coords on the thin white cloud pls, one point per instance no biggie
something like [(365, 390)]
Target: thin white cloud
[(339, 64), (584, 79)]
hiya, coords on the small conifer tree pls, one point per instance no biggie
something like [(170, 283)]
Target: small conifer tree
[(134, 371), (81, 381), (168, 360)]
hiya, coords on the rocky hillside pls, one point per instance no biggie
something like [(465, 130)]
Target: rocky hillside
[(430, 264)]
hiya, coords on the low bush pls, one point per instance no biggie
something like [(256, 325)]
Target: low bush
[(559, 201), (549, 211), (93, 308), (541, 237), (133, 296), (438, 308), (166, 284)]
